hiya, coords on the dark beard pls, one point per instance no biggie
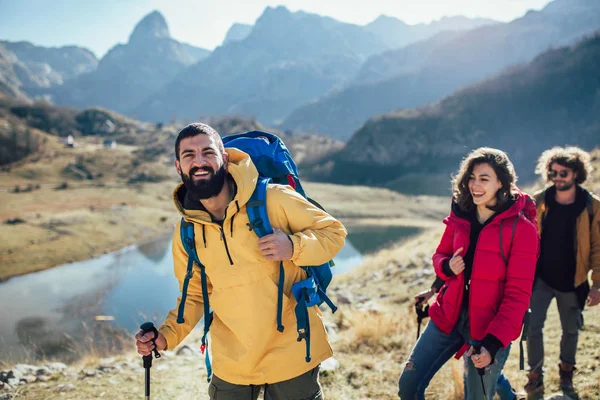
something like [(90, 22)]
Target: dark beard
[(565, 187), (204, 189)]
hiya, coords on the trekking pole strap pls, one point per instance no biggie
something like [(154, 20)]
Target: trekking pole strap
[(149, 327), (280, 326)]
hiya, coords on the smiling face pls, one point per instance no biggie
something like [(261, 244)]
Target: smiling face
[(563, 177), (483, 185), (201, 165)]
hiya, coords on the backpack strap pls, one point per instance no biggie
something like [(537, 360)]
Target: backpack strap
[(526, 317), (512, 237), (256, 207), (590, 208), (189, 244)]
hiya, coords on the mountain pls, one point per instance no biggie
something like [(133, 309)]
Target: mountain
[(396, 33), (50, 66), (25, 68), (11, 71), (554, 100), (130, 72), (237, 32), (450, 64), (287, 59)]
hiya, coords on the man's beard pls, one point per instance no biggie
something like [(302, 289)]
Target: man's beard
[(565, 186), (205, 188)]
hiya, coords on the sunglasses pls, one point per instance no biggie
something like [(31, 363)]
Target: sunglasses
[(554, 173)]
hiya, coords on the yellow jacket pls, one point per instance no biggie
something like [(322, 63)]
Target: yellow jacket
[(246, 346), (587, 238)]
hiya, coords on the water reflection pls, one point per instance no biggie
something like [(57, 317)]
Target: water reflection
[(368, 239), (50, 314)]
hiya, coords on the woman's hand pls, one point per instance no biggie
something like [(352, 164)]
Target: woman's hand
[(481, 360), (424, 296), (457, 264)]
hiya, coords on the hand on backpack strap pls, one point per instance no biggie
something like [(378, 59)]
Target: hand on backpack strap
[(277, 246)]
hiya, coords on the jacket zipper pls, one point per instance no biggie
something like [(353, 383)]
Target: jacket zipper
[(224, 239)]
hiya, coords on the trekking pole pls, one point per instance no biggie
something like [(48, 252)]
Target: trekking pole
[(147, 360), (422, 313), (480, 371)]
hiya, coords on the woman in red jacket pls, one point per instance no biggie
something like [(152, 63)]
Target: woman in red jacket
[(487, 257)]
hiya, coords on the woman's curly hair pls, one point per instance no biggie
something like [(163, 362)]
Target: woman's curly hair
[(571, 157), (503, 167)]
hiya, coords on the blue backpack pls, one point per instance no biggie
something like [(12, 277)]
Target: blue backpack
[(275, 165)]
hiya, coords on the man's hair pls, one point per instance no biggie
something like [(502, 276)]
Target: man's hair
[(571, 157), (503, 167), (197, 128)]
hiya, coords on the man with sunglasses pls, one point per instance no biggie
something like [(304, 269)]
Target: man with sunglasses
[(568, 219)]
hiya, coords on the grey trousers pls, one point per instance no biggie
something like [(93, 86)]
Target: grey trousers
[(303, 387), (571, 321)]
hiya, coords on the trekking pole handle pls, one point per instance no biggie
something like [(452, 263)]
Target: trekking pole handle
[(477, 350), (149, 327), (480, 371)]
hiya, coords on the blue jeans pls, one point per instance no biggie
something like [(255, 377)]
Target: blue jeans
[(431, 352), (504, 389)]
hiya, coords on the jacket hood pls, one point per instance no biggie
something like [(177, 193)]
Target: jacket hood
[(241, 170)]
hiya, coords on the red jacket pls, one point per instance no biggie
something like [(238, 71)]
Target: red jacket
[(499, 293)]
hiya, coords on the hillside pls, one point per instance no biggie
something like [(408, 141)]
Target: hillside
[(450, 65), (551, 101)]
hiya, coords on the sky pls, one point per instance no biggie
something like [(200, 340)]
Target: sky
[(101, 24)]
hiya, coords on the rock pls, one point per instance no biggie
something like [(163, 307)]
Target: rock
[(186, 350), (43, 371), (343, 299), (67, 387), (331, 364), (416, 282), (25, 369), (560, 396), (331, 329), (14, 374), (29, 379), (57, 367), (109, 368), (88, 373), (372, 307), (13, 382)]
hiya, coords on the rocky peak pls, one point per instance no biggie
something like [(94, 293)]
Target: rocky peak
[(152, 26)]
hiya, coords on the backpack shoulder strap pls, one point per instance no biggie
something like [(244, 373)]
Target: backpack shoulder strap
[(188, 240), (590, 207), (257, 209), (512, 237)]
